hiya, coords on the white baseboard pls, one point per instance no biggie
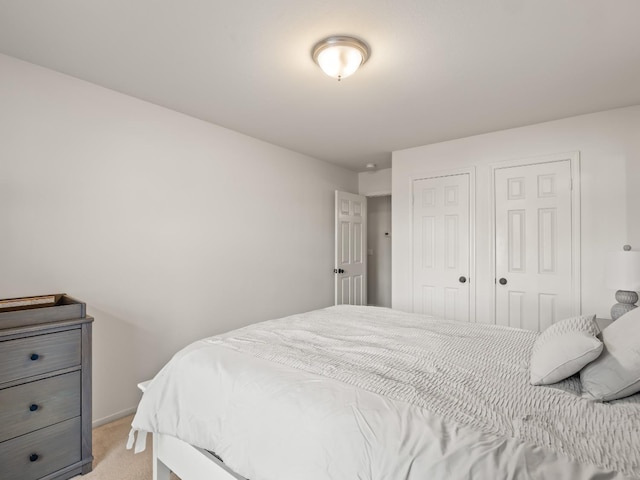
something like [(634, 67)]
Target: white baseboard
[(114, 417)]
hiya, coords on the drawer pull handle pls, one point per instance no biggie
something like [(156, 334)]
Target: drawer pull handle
[(34, 356), (33, 407), (33, 457)]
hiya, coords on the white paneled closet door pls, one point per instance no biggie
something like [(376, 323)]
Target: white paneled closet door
[(533, 241), (350, 249), (441, 246)]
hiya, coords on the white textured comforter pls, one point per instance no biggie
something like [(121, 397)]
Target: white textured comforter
[(371, 393)]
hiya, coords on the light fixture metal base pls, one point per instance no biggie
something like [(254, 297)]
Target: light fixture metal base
[(340, 41)]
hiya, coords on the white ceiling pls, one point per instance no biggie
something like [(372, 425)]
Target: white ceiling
[(439, 69)]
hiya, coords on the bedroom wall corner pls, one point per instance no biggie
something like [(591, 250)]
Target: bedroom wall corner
[(169, 228), (375, 183)]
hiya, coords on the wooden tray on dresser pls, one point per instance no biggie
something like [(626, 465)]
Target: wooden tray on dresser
[(19, 312)]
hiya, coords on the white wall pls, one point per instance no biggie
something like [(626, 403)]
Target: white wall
[(170, 228), (379, 246), (609, 148), (374, 183)]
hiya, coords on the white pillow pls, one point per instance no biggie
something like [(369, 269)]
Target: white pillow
[(616, 374), (563, 349)]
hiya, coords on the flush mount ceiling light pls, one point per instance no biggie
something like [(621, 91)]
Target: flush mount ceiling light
[(340, 56)]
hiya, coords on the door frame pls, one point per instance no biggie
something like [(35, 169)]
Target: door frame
[(574, 166), (471, 171), (378, 195)]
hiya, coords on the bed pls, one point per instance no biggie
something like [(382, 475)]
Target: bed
[(370, 393)]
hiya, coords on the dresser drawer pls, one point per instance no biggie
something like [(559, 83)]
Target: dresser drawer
[(29, 356), (38, 404), (42, 452)]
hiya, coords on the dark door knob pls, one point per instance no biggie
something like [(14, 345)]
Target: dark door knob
[(34, 356), (33, 407), (503, 281), (338, 270), (462, 279), (33, 457)]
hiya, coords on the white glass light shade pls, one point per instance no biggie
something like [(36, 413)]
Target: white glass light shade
[(622, 271), (340, 57)]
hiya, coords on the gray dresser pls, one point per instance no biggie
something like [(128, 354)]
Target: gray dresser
[(45, 388)]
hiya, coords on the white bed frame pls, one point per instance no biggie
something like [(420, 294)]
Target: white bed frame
[(171, 454), (188, 462)]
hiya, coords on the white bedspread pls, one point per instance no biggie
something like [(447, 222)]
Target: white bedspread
[(370, 393)]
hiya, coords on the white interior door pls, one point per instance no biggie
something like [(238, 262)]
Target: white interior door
[(533, 241), (441, 246), (351, 249)]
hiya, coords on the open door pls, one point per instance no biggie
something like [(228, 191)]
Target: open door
[(351, 249)]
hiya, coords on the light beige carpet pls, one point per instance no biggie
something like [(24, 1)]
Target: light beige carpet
[(111, 461)]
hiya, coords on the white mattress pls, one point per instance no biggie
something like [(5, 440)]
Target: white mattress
[(370, 393)]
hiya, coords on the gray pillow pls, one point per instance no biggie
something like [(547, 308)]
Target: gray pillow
[(563, 349), (616, 373)]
